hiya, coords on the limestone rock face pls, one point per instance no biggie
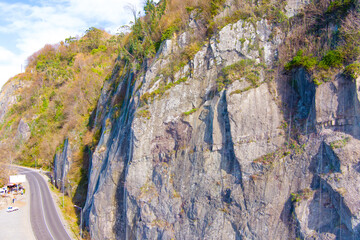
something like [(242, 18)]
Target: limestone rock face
[(23, 132), (9, 94), (337, 106), (197, 162), (332, 209), (293, 6), (62, 162)]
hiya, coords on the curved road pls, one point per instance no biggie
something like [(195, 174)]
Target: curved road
[(45, 221)]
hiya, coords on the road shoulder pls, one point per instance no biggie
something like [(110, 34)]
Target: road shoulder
[(57, 207)]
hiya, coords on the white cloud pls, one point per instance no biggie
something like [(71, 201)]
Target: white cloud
[(52, 22), (5, 55), (10, 64)]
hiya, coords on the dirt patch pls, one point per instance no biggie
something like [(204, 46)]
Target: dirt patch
[(7, 200)]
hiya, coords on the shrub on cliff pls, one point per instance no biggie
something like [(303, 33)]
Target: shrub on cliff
[(312, 39), (353, 70)]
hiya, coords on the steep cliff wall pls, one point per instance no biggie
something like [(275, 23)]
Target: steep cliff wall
[(197, 161), (62, 162), (243, 125)]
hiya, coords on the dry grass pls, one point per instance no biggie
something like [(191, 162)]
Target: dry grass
[(69, 212), (53, 105)]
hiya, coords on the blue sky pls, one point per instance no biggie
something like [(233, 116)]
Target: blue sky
[(27, 25)]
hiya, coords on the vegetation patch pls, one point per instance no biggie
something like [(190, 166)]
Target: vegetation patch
[(296, 147), (148, 191), (245, 69), (239, 91), (58, 104), (269, 158), (144, 114), (304, 194), (189, 112), (147, 97), (352, 70), (340, 143), (322, 51)]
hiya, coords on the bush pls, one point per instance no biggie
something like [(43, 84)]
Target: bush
[(191, 50), (333, 58), (101, 48), (352, 70), (304, 194), (308, 62), (169, 32), (340, 7), (215, 6), (317, 82)]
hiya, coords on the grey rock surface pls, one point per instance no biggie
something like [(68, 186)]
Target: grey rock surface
[(293, 6), (337, 106), (208, 164), (62, 162), (332, 210), (9, 95), (23, 132)]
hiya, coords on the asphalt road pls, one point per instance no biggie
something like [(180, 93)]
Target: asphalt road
[(45, 221)]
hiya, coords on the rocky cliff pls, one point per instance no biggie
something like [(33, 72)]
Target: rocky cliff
[(10, 94), (216, 120), (62, 162), (199, 161)]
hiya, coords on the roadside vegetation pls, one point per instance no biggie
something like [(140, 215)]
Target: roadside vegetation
[(68, 211)]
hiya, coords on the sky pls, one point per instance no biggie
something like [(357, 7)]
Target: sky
[(27, 25)]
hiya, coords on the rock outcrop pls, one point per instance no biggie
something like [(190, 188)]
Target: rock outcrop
[(213, 139), (331, 209), (196, 155), (23, 132), (62, 162), (196, 163), (9, 95)]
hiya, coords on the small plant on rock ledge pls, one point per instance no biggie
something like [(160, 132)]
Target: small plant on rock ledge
[(245, 69), (189, 112), (339, 143), (301, 195), (144, 114), (352, 70), (270, 158)]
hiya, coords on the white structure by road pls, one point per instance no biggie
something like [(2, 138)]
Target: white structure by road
[(17, 179)]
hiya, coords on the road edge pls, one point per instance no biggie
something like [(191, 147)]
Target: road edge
[(56, 203), (28, 204), (55, 200)]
